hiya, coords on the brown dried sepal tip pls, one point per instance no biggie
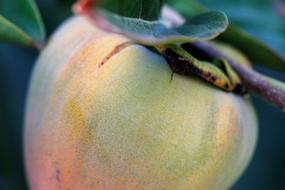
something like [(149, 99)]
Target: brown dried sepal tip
[(83, 6)]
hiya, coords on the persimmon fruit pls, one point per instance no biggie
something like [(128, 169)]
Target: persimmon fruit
[(104, 114)]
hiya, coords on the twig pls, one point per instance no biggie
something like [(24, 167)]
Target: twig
[(279, 7), (254, 81)]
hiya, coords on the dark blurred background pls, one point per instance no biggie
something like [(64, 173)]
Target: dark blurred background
[(262, 18)]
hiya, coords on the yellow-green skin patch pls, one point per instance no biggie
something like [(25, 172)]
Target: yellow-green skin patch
[(125, 125)]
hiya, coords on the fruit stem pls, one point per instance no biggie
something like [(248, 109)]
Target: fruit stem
[(254, 81)]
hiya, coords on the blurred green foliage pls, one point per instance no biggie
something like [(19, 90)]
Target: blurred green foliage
[(258, 17), (13, 85), (16, 65)]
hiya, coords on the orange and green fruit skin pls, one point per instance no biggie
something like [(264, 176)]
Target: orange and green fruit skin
[(124, 124)]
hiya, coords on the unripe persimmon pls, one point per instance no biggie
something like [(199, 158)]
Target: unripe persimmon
[(104, 114)]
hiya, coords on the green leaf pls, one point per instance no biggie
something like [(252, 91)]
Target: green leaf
[(259, 20), (257, 52), (205, 26), (21, 22), (189, 8), (144, 9), (11, 33)]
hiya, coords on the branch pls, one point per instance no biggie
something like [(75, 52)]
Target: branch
[(254, 81), (279, 7)]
